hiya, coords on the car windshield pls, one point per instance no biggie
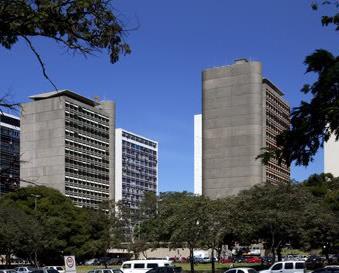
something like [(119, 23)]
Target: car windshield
[(59, 268)]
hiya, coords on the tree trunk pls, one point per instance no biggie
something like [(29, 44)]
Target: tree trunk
[(279, 254), (212, 260), (191, 260), (8, 259), (273, 254)]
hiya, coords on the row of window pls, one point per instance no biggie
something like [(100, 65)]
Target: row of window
[(86, 194), (86, 148), (137, 162), (86, 140), (86, 122), (138, 169), (85, 175), (101, 161), (139, 139), (137, 147), (138, 184), (89, 113), (132, 174), (85, 130), (89, 167)]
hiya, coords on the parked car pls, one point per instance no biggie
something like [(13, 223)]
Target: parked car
[(24, 269), (60, 269), (43, 270), (166, 269), (314, 262), (7, 271), (327, 269), (241, 270), (142, 266), (226, 260), (253, 260), (267, 261), (286, 267), (239, 259), (105, 270)]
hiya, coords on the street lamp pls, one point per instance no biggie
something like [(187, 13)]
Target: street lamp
[(36, 196)]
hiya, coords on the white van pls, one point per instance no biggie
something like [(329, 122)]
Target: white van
[(286, 267), (142, 266)]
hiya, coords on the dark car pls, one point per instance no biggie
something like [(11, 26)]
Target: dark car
[(314, 262), (43, 270), (239, 259), (165, 269), (327, 269), (267, 261)]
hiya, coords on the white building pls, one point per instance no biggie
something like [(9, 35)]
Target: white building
[(197, 154), (136, 167), (331, 157)]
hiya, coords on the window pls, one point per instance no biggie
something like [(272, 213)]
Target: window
[(231, 271), (152, 265), (299, 265), (139, 265), (288, 265), (126, 266), (240, 271), (277, 266)]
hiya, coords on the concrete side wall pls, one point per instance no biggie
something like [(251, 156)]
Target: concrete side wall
[(232, 125), (331, 156), (43, 143), (109, 108)]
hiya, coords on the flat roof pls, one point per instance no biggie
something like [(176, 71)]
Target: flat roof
[(64, 92), (273, 86)]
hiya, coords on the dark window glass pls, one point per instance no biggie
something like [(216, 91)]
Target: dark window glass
[(277, 266), (126, 266), (288, 265), (240, 271), (152, 265), (231, 271), (299, 265), (139, 265)]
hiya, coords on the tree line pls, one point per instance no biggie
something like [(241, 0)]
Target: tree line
[(41, 225)]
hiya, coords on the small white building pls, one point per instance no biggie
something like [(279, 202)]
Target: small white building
[(198, 154), (331, 156)]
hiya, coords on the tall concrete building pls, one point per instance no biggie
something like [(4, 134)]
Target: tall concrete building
[(67, 143), (9, 153), (331, 156), (136, 167), (241, 113)]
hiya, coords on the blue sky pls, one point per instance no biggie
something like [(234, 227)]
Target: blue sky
[(158, 87)]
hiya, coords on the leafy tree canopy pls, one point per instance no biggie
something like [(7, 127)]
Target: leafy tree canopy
[(82, 26), (314, 121)]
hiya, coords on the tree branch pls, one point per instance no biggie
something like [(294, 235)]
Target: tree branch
[(40, 61)]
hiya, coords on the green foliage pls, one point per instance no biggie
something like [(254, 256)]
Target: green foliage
[(54, 227), (313, 122), (328, 19), (83, 26)]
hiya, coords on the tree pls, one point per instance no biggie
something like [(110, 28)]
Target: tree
[(218, 220), (17, 231), (182, 220), (313, 122), (57, 227), (273, 214), (83, 26)]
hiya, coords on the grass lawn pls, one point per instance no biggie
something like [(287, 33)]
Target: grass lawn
[(185, 267)]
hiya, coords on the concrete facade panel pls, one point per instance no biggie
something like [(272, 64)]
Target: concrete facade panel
[(232, 128)]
